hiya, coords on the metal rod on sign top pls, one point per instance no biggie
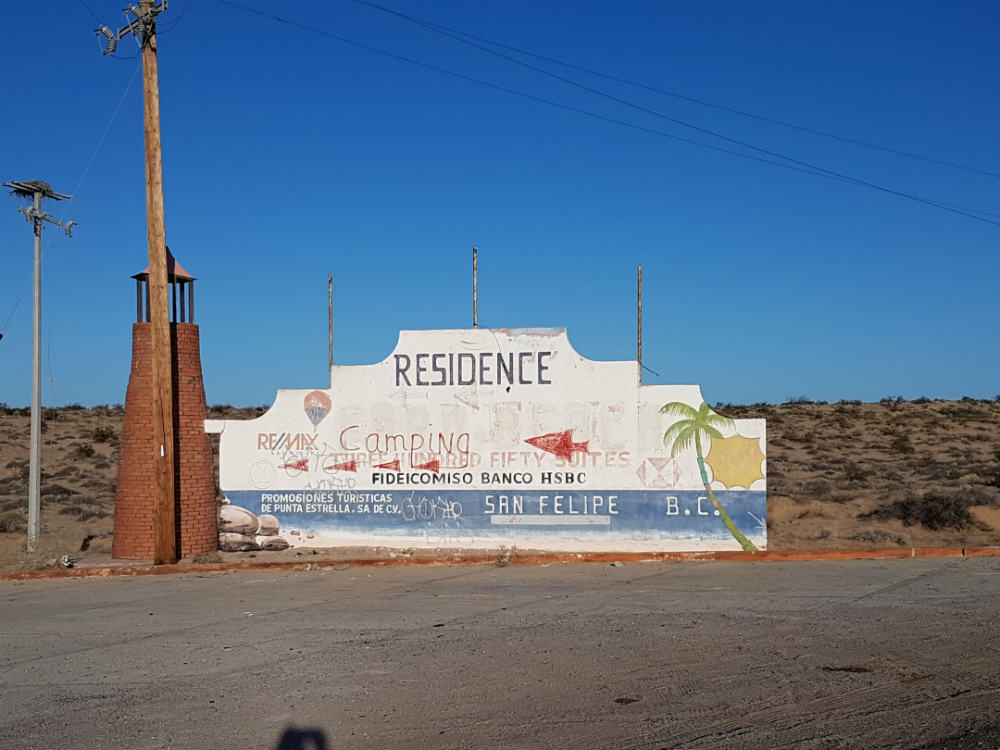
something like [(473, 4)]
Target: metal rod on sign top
[(329, 281), (639, 328)]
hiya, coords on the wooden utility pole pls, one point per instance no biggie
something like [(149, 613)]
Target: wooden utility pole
[(143, 28), (165, 549)]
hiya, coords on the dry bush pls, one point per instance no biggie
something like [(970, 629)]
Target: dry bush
[(104, 434), (936, 510), (876, 536), (13, 522), (84, 450), (856, 474), (902, 444), (819, 489)]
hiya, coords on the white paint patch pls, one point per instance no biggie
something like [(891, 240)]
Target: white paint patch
[(542, 520)]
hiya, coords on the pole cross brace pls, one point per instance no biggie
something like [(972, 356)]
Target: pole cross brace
[(142, 28), (37, 217)]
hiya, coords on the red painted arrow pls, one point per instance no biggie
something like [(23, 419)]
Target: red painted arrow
[(351, 465), (394, 465), (302, 465), (434, 466), (559, 444)]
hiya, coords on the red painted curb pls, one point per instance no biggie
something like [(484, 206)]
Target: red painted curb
[(493, 558)]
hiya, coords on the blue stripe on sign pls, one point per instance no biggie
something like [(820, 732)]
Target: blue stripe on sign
[(625, 514)]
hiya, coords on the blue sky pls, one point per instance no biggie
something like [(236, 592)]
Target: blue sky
[(289, 154)]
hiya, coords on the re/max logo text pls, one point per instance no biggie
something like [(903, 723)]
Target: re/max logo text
[(285, 441)]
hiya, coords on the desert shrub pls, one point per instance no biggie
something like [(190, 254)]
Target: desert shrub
[(856, 473), (71, 510), (84, 450), (104, 434), (935, 510), (799, 400), (936, 470), (876, 536), (22, 469), (12, 523), (902, 443), (818, 488), (842, 496), (921, 400), (963, 413), (56, 490), (849, 402)]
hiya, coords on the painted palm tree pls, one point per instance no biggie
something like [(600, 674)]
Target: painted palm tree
[(695, 425)]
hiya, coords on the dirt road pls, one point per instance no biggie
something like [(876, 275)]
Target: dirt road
[(894, 654)]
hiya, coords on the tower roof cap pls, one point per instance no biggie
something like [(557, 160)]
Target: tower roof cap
[(175, 271)]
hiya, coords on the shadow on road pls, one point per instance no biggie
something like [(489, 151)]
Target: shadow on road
[(294, 738)]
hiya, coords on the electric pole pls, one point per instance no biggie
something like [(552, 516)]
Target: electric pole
[(143, 28), (36, 190)]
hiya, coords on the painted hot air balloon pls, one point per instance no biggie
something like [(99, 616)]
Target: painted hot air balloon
[(317, 405)]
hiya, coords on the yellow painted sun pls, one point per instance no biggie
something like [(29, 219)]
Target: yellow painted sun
[(736, 460)]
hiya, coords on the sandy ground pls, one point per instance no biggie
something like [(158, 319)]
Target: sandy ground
[(844, 654), (840, 476)]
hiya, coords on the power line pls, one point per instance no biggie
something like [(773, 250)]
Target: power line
[(97, 148), (694, 100), (91, 12), (963, 211), (788, 163), (515, 92), (171, 25)]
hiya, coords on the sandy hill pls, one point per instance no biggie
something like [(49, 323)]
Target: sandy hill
[(845, 475)]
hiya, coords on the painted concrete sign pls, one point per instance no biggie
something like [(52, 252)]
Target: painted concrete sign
[(483, 438)]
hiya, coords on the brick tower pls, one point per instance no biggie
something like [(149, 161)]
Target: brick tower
[(194, 483)]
